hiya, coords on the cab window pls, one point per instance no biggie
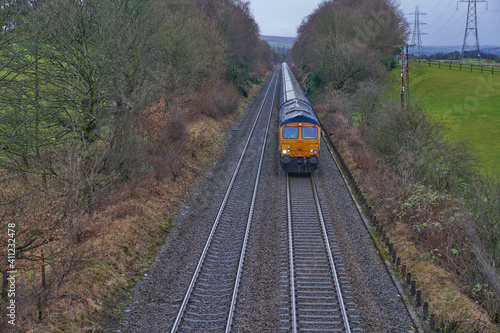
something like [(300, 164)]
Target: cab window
[(309, 132), (290, 132)]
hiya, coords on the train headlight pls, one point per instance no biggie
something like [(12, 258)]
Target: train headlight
[(284, 151), (315, 151)]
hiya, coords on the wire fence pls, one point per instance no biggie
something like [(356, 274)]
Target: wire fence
[(483, 67)]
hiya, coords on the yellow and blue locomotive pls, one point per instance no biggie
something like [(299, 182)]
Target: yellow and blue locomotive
[(299, 127)]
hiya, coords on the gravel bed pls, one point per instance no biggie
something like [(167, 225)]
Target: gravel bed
[(260, 299), (374, 295), (259, 295)]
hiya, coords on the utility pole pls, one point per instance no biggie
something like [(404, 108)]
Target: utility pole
[(402, 77), (471, 25), (407, 77), (416, 39)]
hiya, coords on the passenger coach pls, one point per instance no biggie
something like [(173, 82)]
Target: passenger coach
[(299, 127)]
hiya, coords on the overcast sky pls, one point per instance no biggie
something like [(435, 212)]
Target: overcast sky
[(445, 24)]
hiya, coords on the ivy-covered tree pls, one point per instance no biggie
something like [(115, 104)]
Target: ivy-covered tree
[(347, 41)]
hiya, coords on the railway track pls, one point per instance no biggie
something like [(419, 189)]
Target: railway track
[(317, 290), (302, 237), (210, 299)]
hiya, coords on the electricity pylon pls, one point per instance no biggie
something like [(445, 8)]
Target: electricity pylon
[(471, 25), (416, 39)]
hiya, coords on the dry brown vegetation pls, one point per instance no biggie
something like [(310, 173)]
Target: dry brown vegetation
[(122, 241)]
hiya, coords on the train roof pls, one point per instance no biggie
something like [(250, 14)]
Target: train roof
[(297, 111), (290, 89), (294, 106)]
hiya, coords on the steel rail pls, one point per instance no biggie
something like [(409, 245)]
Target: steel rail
[(331, 262), (330, 258), (292, 265), (249, 221), (187, 296)]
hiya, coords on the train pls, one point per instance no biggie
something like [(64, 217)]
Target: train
[(299, 127)]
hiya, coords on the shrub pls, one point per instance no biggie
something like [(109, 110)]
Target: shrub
[(434, 219), (219, 100), (413, 144), (484, 202)]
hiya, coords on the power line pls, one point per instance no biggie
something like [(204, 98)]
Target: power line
[(448, 38), (442, 14), (446, 24)]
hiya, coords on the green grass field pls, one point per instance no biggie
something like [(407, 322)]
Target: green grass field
[(467, 102)]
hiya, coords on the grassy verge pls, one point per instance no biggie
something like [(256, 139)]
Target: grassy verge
[(467, 103)]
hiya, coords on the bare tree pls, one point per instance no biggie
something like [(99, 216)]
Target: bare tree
[(345, 41)]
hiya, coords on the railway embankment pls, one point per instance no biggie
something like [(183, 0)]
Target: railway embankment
[(132, 227), (109, 118)]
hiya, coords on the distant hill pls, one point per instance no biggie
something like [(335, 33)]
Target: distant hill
[(281, 42), (287, 43), (430, 50), (278, 39)]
